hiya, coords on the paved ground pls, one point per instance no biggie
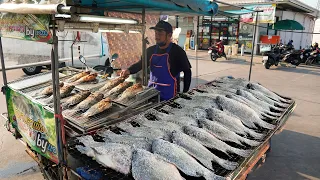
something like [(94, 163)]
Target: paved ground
[(295, 152)]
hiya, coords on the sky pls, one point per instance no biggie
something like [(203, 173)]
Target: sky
[(312, 3)]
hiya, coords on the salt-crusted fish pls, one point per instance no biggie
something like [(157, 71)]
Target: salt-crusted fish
[(91, 100), (196, 102), (75, 99), (112, 83), (77, 76), (210, 141), (129, 93), (248, 116), (114, 92), (148, 166), (182, 160), (145, 132), (201, 153), (101, 106), (266, 99), (164, 126), (224, 134), (267, 92), (115, 156), (194, 112), (88, 143), (232, 123), (180, 120), (135, 142)]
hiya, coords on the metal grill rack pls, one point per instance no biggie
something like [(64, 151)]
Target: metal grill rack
[(235, 158)]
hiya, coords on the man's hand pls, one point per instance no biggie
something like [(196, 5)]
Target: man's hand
[(125, 73)]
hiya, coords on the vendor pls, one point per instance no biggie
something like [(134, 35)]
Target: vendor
[(166, 60)]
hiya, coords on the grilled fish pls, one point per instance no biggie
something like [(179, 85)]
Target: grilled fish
[(76, 99), (148, 166), (182, 160), (266, 99), (130, 93), (135, 142), (180, 120), (195, 112), (64, 92), (91, 100), (99, 107), (49, 90), (248, 116), (232, 123), (211, 141), (77, 76), (260, 103), (145, 132), (87, 78), (201, 153), (112, 83), (114, 92), (267, 92), (115, 156), (224, 134), (164, 126)]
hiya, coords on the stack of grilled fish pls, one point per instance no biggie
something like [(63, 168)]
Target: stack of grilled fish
[(216, 125)]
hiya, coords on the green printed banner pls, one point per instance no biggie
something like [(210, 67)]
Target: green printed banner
[(26, 27), (34, 123)]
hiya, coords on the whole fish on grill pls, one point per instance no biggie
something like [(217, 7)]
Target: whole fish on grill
[(145, 132), (266, 99), (180, 120), (148, 166), (195, 112), (101, 106), (232, 123), (91, 100), (129, 93), (164, 126), (112, 83), (199, 152), (49, 90), (64, 92), (77, 76), (210, 141), (196, 102), (267, 92), (248, 116), (135, 142), (260, 103), (224, 134), (87, 78), (262, 113), (75, 99), (114, 92), (115, 156), (182, 160)]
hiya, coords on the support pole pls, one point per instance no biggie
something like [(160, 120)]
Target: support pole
[(4, 76), (72, 63), (144, 52), (254, 40), (56, 99), (196, 50)]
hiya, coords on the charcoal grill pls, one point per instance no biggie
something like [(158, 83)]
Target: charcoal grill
[(235, 174)]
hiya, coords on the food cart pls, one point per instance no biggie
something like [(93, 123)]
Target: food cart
[(49, 130)]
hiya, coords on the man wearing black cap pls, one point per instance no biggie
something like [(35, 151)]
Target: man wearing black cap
[(166, 60)]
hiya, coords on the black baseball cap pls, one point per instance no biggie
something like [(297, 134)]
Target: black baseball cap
[(163, 26)]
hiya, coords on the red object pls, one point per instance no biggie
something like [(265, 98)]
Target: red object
[(265, 39), (220, 47)]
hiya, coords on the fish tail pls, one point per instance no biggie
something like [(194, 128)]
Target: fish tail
[(266, 125), (252, 143), (241, 152), (209, 175), (229, 165), (254, 134), (207, 163)]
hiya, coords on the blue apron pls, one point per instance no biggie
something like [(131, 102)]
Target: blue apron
[(160, 75)]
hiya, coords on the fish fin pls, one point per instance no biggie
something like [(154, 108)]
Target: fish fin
[(252, 143), (212, 176), (254, 134), (241, 152), (266, 125), (229, 165)]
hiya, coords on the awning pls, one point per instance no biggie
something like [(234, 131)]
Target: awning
[(286, 25), (165, 7)]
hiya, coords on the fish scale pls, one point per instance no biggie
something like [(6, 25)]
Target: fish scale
[(182, 160), (269, 93), (201, 153), (148, 166), (248, 116), (180, 120), (146, 132), (266, 99)]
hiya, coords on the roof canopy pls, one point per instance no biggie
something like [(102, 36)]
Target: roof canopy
[(286, 25), (165, 7)]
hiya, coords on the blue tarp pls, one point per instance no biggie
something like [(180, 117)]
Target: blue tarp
[(168, 7)]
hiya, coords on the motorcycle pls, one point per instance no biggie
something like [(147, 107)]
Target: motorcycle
[(305, 53), (293, 57), (313, 58), (272, 57), (215, 54)]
